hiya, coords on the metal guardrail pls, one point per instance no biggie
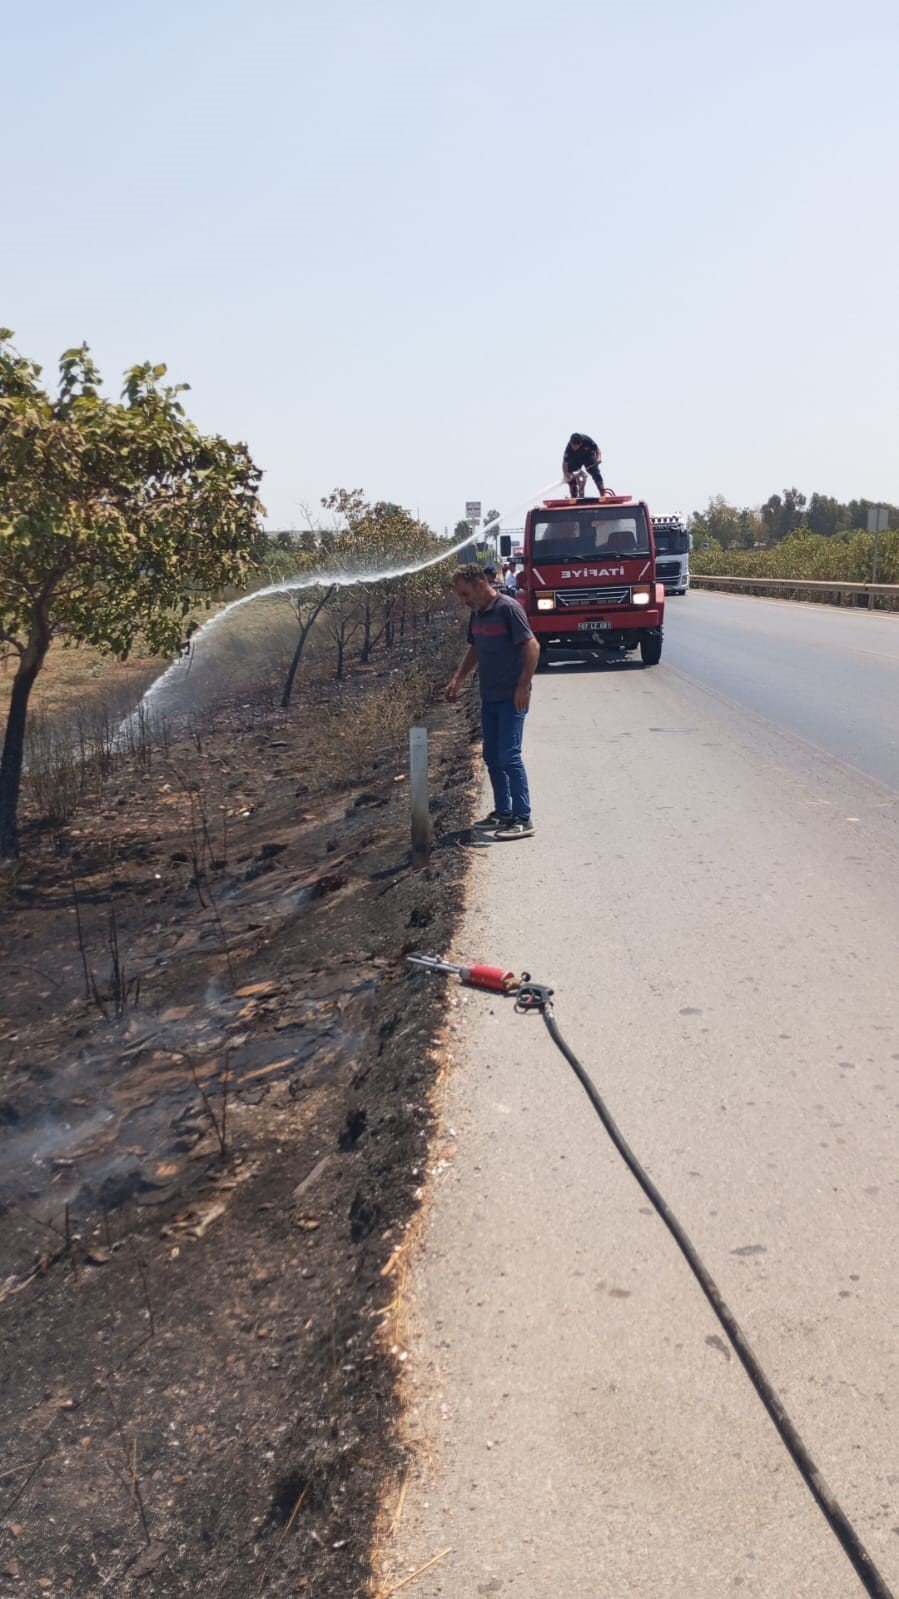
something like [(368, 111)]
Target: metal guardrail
[(787, 586)]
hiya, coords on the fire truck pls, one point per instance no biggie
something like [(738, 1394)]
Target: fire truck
[(673, 546), (588, 578)]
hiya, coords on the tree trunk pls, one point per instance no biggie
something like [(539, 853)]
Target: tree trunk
[(390, 622), (341, 647), (32, 659), (305, 630), (365, 651)]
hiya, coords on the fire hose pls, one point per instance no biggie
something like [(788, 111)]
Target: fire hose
[(533, 998)]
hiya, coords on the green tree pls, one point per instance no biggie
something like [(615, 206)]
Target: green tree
[(855, 514), (772, 511), (726, 524), (115, 517), (824, 515), (375, 538), (781, 516)]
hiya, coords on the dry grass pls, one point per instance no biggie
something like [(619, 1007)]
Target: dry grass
[(81, 730), (74, 674), (71, 675), (81, 697), (373, 718), (69, 759)]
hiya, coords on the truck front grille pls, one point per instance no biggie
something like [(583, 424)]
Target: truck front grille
[(668, 569), (568, 599)]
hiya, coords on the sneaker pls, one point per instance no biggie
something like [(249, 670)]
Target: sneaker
[(495, 819), (514, 827)]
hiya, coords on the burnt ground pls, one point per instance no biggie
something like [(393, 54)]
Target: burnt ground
[(215, 1105)]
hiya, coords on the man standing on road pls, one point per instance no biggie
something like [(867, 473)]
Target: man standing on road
[(504, 651), (582, 454)]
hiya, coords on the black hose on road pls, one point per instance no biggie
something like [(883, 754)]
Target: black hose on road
[(535, 997)]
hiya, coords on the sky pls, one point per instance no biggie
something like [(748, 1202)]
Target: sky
[(410, 248)]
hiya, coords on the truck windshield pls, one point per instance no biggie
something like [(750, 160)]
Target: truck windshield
[(672, 541), (584, 535)]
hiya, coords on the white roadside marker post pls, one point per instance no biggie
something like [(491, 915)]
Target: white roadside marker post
[(418, 784)]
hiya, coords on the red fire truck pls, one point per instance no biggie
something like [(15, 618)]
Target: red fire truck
[(587, 578)]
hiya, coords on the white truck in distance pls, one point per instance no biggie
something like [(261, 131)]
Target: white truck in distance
[(673, 546)]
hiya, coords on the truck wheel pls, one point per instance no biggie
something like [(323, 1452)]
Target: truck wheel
[(543, 662), (651, 647)]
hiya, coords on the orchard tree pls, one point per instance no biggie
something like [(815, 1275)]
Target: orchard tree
[(374, 539), (306, 604), (343, 619), (115, 518)]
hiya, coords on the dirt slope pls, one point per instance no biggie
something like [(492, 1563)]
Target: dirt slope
[(198, 1387)]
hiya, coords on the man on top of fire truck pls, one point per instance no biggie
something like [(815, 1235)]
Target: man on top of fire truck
[(582, 455)]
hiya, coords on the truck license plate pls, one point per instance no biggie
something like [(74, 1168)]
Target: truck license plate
[(593, 627)]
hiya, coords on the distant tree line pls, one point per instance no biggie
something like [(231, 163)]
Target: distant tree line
[(746, 527), (790, 536)]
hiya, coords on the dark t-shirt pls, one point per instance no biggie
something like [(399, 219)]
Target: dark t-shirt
[(583, 455), (498, 634)]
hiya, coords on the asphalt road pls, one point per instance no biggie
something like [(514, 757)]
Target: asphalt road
[(712, 892), (829, 676)]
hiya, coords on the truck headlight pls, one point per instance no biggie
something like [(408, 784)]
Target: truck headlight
[(547, 602), (640, 596)]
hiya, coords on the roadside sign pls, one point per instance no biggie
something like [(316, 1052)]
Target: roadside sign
[(878, 522), (472, 511)]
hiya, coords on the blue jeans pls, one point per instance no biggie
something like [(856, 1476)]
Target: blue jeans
[(503, 729)]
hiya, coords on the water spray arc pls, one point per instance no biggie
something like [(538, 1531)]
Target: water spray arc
[(180, 668)]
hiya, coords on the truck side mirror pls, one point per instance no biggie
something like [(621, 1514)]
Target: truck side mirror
[(505, 545)]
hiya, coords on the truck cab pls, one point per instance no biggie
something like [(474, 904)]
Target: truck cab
[(588, 578), (673, 545)]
